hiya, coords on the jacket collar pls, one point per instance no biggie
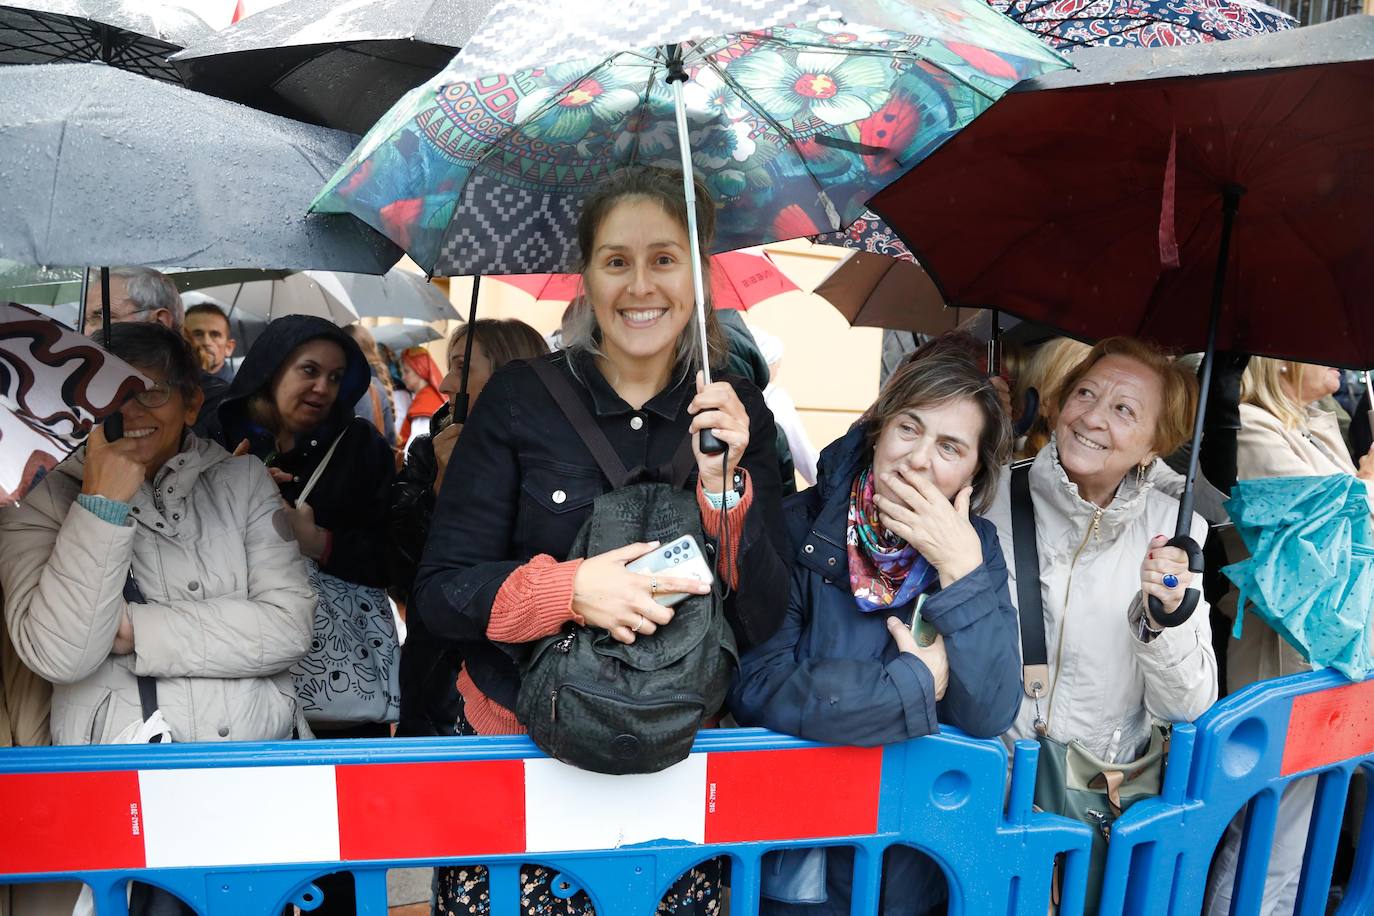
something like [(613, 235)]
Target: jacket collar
[(1051, 484), (822, 550), (159, 504), (668, 403)]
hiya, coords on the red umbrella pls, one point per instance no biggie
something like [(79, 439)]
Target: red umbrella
[(1130, 195), (739, 280)]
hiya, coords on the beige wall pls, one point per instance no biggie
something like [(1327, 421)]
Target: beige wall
[(830, 369)]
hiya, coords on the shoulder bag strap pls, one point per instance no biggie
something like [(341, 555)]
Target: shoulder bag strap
[(592, 435), (319, 468), (147, 686), (1035, 669), (684, 463)]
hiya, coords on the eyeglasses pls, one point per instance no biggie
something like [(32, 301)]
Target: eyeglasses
[(154, 397)]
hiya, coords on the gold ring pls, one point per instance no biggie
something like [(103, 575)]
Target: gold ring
[(638, 625)]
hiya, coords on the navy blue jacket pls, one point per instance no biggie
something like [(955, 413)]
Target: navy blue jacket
[(833, 673)]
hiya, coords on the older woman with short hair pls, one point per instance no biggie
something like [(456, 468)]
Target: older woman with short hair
[(1101, 496)]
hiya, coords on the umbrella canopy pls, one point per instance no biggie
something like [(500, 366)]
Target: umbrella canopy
[(880, 291), (740, 280), (1069, 24), (339, 65), (60, 286), (99, 166), (134, 36), (55, 385), (793, 126), (337, 297), (1092, 201), (398, 337), (1310, 573)]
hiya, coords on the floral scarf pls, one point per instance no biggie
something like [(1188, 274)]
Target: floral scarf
[(884, 570)]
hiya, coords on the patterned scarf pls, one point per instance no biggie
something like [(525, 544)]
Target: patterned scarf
[(884, 570)]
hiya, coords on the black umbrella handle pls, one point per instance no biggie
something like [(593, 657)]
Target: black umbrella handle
[(1190, 597)]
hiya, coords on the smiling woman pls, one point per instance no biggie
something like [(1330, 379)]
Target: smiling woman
[(494, 570)]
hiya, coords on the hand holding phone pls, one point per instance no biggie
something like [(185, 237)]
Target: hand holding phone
[(680, 558)]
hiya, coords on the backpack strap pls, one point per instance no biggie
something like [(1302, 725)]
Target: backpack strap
[(577, 414), (1035, 669)]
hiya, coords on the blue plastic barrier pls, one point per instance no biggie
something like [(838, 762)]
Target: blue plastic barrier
[(246, 828), (1249, 746)]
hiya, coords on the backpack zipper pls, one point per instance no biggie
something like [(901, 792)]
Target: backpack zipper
[(669, 700)]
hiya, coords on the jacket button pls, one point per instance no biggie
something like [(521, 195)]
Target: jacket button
[(224, 731), (193, 586), (810, 548), (831, 561), (636, 423), (559, 497)]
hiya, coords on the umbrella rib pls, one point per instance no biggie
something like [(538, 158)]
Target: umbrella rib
[(773, 122)]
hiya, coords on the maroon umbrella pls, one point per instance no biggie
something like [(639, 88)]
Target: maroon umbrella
[(1151, 190)]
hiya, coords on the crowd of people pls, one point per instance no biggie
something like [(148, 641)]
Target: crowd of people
[(867, 609)]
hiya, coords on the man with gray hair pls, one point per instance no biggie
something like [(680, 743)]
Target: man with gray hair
[(136, 294), (144, 294)]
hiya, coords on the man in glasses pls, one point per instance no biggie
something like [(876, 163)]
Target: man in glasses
[(144, 294)]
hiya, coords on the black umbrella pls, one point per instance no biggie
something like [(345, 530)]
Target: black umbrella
[(137, 37), (99, 166), (1209, 196), (337, 64)]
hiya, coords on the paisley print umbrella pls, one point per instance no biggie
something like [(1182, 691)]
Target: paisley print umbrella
[(1069, 24)]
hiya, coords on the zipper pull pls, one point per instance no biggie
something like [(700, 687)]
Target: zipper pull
[(553, 706)]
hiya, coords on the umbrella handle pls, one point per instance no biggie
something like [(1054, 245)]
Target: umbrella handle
[(1190, 597)]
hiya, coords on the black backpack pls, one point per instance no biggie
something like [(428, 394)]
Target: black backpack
[(599, 704)]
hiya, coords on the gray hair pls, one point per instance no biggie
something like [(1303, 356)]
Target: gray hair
[(150, 290)]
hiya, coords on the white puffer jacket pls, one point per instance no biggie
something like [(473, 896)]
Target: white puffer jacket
[(229, 603), (1106, 685)]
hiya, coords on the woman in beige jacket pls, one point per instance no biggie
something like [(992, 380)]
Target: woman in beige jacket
[(226, 606), (1283, 433)]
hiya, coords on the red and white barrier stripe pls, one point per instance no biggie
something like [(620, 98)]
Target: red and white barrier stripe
[(225, 816)]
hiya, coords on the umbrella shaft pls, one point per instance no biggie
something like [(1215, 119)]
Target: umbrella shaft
[(1230, 204), (460, 403), (689, 191)]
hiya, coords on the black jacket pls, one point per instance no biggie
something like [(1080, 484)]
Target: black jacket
[(350, 499), (527, 483)]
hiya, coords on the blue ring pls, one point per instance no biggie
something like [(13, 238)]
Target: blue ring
[(1171, 581)]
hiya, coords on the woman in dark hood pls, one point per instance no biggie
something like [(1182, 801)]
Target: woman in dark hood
[(291, 401), (292, 398)]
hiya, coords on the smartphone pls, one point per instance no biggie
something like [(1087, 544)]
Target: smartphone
[(921, 629), (681, 558), (113, 426)]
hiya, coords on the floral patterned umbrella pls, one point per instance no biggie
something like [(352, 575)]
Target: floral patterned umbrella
[(796, 112)]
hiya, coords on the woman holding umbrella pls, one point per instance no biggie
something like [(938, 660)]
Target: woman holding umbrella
[(1100, 503), (491, 572), (1283, 433)]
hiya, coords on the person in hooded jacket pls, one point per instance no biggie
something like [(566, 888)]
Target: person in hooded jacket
[(291, 401), (891, 532)]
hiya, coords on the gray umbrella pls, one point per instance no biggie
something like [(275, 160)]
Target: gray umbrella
[(134, 36), (338, 64), (99, 166)]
